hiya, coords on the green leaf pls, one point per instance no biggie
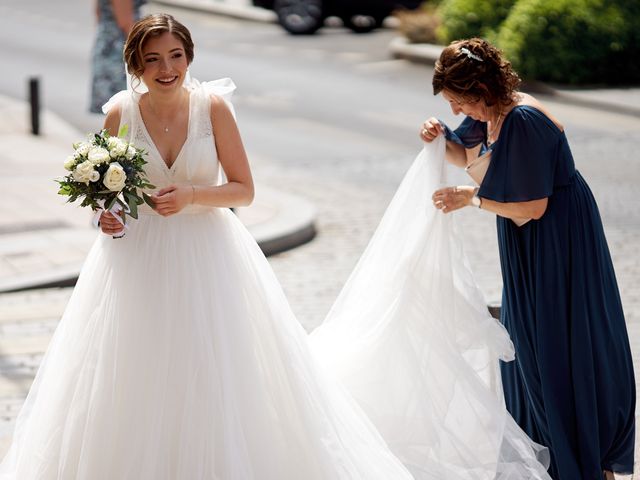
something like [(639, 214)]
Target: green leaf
[(133, 207), (124, 129), (110, 203), (148, 200), (64, 190)]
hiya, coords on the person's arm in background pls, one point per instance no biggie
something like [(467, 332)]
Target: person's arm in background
[(124, 14)]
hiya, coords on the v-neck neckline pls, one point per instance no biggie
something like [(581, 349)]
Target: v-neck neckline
[(152, 142)]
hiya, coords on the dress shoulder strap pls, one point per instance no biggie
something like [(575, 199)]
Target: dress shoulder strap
[(128, 103), (200, 113)]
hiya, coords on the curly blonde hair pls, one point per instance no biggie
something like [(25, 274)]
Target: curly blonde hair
[(474, 69)]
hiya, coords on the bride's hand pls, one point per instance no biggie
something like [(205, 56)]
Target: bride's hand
[(430, 130), (172, 199), (453, 198), (109, 224)]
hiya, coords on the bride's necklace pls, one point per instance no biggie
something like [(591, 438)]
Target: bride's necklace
[(164, 124), (493, 130)]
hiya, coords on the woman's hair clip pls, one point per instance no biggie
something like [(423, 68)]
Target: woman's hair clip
[(468, 53)]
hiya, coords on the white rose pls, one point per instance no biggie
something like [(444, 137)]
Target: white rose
[(84, 172), (70, 163), (115, 178), (82, 148), (130, 152), (117, 147), (98, 155)]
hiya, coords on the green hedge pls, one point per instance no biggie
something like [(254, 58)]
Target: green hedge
[(574, 41), (471, 18), (564, 41)]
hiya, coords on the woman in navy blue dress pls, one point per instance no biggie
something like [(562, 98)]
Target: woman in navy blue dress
[(571, 387)]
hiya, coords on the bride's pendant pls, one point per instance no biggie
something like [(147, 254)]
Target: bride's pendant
[(166, 129)]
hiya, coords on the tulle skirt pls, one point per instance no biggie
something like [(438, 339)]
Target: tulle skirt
[(178, 358)]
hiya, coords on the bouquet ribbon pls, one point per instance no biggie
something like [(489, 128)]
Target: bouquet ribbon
[(115, 211)]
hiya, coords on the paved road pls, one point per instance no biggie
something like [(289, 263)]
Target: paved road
[(330, 118)]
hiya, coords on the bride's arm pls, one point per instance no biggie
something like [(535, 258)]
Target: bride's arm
[(237, 192), (112, 120)]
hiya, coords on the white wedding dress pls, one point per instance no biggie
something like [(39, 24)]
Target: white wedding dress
[(178, 358)]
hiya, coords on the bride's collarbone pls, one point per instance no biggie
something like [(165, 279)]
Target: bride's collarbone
[(169, 136)]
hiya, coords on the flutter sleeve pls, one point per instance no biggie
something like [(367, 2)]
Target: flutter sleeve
[(469, 133), (523, 160), (119, 97), (223, 88)]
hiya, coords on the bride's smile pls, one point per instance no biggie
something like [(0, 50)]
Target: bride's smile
[(165, 62)]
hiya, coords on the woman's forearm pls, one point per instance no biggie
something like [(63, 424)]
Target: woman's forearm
[(532, 209), (456, 154), (123, 14), (232, 194), (449, 199)]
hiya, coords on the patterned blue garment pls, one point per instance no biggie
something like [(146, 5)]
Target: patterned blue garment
[(109, 75), (572, 386)]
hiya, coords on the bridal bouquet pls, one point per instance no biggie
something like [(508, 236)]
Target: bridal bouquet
[(106, 173)]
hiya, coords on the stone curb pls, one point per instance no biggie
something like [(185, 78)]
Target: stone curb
[(428, 54)]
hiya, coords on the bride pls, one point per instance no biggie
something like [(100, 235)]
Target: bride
[(178, 357)]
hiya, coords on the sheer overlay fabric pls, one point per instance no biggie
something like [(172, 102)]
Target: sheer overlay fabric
[(411, 339)]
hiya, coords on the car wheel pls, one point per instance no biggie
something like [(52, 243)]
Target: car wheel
[(363, 23), (300, 17)]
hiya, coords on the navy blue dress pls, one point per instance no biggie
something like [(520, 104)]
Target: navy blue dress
[(571, 387)]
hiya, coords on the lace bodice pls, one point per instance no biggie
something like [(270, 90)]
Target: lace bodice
[(197, 162)]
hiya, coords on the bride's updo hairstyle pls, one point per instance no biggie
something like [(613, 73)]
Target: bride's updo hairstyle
[(149, 27), (474, 69)]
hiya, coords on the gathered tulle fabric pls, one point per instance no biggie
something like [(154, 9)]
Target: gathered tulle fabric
[(411, 339), (179, 358)]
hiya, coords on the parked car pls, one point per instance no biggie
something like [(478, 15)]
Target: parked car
[(301, 17)]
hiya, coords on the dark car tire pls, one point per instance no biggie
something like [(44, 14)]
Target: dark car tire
[(299, 17), (363, 23)]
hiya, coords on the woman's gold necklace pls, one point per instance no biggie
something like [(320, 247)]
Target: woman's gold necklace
[(493, 130)]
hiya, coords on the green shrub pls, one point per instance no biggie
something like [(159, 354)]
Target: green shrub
[(471, 18), (574, 41), (420, 25)]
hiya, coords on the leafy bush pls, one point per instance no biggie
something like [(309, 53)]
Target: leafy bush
[(574, 41), (420, 25), (471, 18)]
